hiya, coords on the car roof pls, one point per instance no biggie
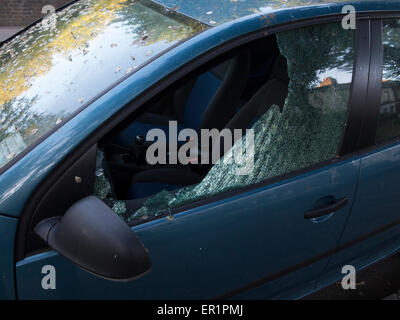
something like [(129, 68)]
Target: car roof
[(214, 12)]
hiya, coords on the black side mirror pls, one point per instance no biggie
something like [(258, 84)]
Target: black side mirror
[(92, 236)]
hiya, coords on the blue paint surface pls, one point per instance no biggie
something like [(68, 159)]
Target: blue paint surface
[(377, 206), (8, 227), (247, 228)]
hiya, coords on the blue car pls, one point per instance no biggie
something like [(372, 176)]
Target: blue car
[(105, 192)]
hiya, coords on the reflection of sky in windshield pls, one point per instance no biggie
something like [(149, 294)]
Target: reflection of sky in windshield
[(65, 77), (265, 9), (48, 73)]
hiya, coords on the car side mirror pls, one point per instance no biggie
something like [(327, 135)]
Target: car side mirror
[(92, 236)]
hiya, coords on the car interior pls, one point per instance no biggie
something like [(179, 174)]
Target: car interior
[(225, 93)]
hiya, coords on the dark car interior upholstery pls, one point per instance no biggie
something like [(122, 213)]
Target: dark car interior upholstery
[(209, 101), (272, 92)]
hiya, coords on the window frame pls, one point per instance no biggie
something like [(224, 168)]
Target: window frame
[(366, 87), (379, 60), (135, 106)]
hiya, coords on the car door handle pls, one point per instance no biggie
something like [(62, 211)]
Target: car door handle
[(326, 210)]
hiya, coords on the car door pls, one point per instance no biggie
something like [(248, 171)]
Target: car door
[(268, 238), (373, 230), (257, 244)]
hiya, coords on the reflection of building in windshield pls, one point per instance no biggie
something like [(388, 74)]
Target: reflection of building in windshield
[(10, 146)]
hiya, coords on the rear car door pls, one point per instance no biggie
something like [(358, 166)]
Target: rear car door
[(270, 237), (373, 229)]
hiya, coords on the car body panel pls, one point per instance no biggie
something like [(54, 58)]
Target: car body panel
[(22, 178), (375, 214), (8, 227), (248, 229), (213, 12)]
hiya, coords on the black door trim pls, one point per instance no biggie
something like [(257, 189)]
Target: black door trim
[(358, 88), (374, 89), (366, 88)]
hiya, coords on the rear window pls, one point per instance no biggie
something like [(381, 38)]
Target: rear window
[(50, 70), (389, 111)]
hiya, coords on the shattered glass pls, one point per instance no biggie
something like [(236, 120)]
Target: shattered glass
[(389, 113), (307, 131), (102, 187), (50, 70), (153, 206)]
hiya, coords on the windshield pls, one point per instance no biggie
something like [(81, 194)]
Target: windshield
[(55, 67)]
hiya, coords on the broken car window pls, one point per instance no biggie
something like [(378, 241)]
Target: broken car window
[(103, 188), (308, 129)]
